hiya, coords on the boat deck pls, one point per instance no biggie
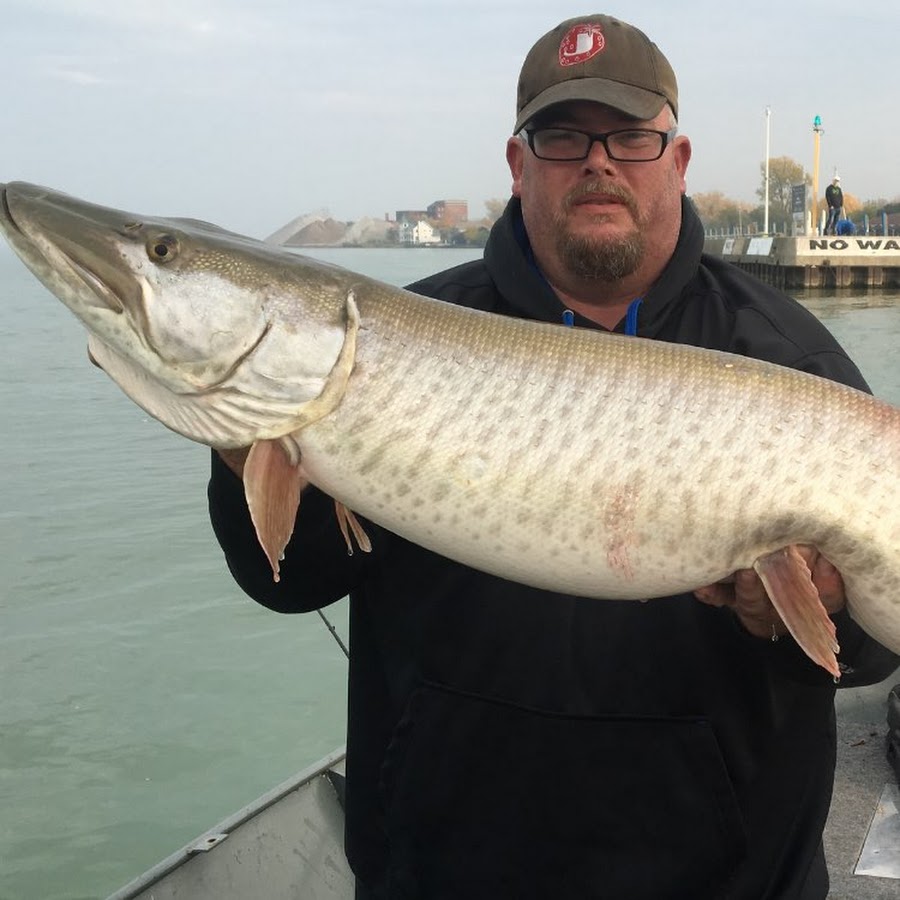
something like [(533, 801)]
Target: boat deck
[(863, 773)]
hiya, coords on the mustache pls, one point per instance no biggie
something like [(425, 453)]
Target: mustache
[(615, 191)]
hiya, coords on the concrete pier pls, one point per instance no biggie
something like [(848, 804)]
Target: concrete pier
[(826, 261)]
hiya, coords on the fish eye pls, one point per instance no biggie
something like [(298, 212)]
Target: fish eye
[(162, 248)]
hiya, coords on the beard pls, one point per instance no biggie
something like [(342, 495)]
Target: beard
[(600, 258)]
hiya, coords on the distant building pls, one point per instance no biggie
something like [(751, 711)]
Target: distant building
[(448, 213), (418, 233), (410, 215)]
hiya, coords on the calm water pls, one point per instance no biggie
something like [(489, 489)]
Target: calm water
[(142, 696)]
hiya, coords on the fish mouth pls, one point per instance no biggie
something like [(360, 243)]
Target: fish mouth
[(97, 287), (7, 220), (51, 247), (4, 205)]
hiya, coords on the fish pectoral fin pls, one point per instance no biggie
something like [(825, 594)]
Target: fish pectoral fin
[(349, 523), (789, 584), (272, 486)]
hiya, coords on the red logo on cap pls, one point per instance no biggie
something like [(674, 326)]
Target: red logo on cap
[(580, 43)]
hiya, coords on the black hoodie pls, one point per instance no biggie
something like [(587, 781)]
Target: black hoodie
[(506, 742)]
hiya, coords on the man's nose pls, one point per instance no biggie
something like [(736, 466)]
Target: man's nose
[(598, 159)]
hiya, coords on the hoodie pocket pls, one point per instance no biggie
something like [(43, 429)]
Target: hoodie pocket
[(488, 799)]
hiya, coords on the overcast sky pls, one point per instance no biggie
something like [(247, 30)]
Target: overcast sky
[(250, 113)]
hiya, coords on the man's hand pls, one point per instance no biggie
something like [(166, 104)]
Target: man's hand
[(235, 459), (745, 594)]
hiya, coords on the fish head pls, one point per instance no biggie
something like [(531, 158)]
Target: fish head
[(219, 336)]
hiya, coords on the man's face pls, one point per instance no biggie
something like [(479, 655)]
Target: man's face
[(596, 218)]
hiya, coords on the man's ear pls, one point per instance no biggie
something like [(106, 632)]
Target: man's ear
[(681, 150), (515, 157)]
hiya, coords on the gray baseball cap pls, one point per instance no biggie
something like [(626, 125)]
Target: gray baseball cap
[(596, 58)]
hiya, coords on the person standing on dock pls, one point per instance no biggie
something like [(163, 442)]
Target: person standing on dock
[(834, 197), (510, 743)]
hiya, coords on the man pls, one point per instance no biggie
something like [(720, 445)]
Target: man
[(507, 742), (834, 197)]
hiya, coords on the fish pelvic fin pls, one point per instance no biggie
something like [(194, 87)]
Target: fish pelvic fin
[(350, 525), (789, 584), (273, 482)]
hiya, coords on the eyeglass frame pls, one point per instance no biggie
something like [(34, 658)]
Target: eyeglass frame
[(601, 137)]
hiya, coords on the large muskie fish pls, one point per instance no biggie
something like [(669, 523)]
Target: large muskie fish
[(581, 462)]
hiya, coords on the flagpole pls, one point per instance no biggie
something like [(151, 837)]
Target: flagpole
[(766, 205)]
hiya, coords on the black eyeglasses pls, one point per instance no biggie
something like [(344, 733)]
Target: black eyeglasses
[(623, 145)]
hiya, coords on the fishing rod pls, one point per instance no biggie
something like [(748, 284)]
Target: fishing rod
[(334, 633)]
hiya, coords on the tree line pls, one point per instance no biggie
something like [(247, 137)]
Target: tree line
[(720, 212)]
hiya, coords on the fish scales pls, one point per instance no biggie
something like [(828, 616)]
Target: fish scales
[(584, 454), (599, 465)]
